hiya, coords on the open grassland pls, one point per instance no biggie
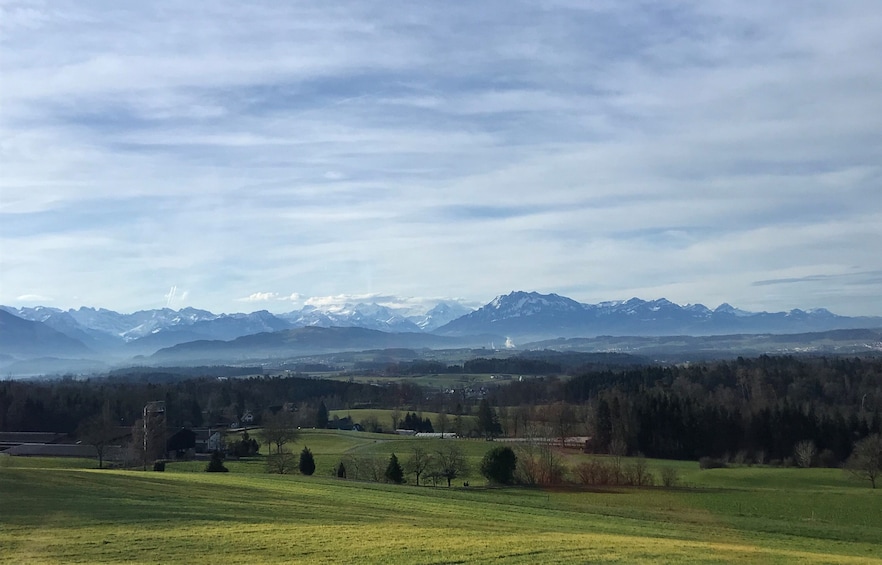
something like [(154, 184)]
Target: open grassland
[(58, 513)]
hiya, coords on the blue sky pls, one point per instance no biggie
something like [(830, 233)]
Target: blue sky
[(241, 156)]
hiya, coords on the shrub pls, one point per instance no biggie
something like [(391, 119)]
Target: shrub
[(670, 476), (538, 464), (711, 463), (595, 473), (828, 459), (371, 424), (281, 463), (741, 458), (365, 468), (804, 453), (636, 473), (246, 447), (159, 465), (601, 473)]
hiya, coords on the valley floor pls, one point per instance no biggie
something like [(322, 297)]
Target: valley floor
[(66, 512)]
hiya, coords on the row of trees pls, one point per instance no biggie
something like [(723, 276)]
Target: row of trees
[(666, 425), (445, 464), (414, 422)]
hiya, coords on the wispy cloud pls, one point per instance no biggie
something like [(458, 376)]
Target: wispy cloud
[(861, 278), (259, 297), (39, 298), (601, 149)]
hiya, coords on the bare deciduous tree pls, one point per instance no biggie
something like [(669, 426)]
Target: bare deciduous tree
[(637, 473), (279, 429), (804, 452), (865, 461), (99, 431), (365, 467), (670, 476), (538, 463), (443, 422), (419, 461), (451, 462), (281, 462), (374, 468), (562, 418)]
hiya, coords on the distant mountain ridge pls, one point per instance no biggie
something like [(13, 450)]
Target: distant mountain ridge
[(530, 315), (20, 337), (519, 316), (146, 331), (308, 340)]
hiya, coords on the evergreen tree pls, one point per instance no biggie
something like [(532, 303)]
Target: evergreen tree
[(216, 465), (602, 427), (321, 418), (488, 424), (307, 462), (394, 472), (498, 465), (340, 470), (246, 447)]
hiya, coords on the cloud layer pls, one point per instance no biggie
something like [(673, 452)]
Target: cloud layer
[(697, 151)]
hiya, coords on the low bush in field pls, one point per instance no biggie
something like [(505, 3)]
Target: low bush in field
[(670, 477), (614, 473), (597, 472), (637, 473), (711, 463), (828, 459)]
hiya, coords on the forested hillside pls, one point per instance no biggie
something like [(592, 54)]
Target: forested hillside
[(747, 409)]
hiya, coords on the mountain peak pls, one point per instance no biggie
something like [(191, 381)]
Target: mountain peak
[(521, 303)]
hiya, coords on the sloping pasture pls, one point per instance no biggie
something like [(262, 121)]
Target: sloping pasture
[(52, 513)]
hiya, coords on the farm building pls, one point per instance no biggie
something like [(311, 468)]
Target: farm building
[(181, 444)]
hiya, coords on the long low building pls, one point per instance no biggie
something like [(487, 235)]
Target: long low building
[(12, 439), (53, 450)]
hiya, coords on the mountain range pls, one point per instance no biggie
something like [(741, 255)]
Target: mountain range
[(534, 316), (146, 331), (515, 318)]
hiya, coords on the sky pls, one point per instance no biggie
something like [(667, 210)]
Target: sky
[(239, 156)]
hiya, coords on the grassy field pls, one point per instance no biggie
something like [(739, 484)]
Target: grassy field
[(66, 512)]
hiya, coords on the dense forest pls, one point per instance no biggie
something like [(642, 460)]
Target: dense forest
[(749, 409), (754, 409)]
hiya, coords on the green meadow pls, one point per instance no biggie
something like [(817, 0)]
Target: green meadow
[(67, 511)]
